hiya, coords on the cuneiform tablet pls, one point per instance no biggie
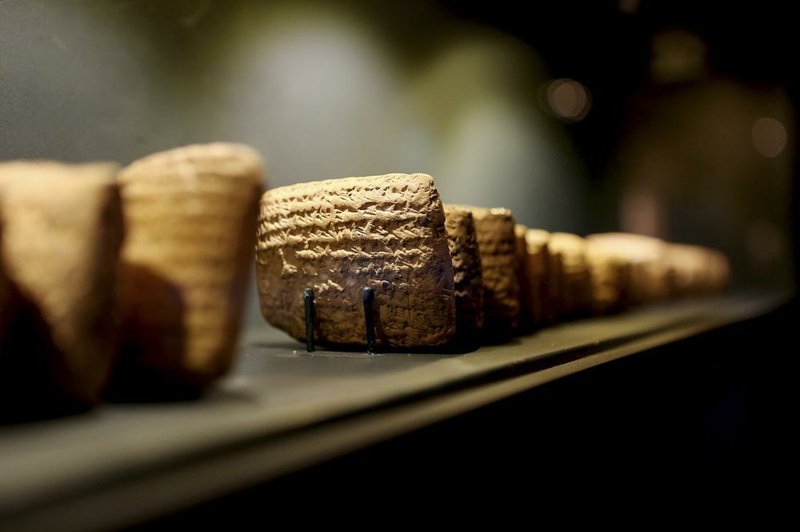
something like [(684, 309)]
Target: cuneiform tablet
[(647, 264), (525, 291), (497, 248), (463, 244), (191, 215), (610, 271), (696, 270), (341, 235), (570, 281), (718, 272), (62, 231), (534, 292)]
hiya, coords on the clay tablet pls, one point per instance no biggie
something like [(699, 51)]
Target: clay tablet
[(532, 273), (647, 264), (463, 244), (570, 281), (696, 270), (497, 247), (610, 270), (62, 231), (190, 214), (341, 235), (718, 268)]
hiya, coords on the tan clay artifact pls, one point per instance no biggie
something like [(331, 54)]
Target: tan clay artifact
[(497, 247), (570, 281), (463, 244), (341, 235), (190, 214), (62, 230), (532, 273), (696, 270), (647, 264)]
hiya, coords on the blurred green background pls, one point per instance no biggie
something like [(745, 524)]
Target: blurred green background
[(592, 116)]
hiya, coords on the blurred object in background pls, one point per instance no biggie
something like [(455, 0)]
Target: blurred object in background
[(666, 118), (678, 55), (321, 89), (704, 163)]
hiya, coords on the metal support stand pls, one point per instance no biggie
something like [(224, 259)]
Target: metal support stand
[(311, 315), (369, 320)]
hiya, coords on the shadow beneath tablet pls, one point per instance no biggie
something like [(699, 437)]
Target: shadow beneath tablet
[(152, 343), (31, 386)]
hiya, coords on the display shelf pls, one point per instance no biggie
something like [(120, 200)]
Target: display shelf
[(283, 409)]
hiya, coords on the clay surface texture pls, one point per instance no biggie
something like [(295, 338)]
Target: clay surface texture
[(570, 280), (535, 296), (191, 215), (497, 247), (62, 230), (462, 241), (338, 236), (646, 263)]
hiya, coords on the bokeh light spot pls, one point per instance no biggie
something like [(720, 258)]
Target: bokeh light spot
[(769, 137), (568, 99)]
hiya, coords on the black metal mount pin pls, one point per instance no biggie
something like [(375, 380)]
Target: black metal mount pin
[(311, 315), (369, 320)]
